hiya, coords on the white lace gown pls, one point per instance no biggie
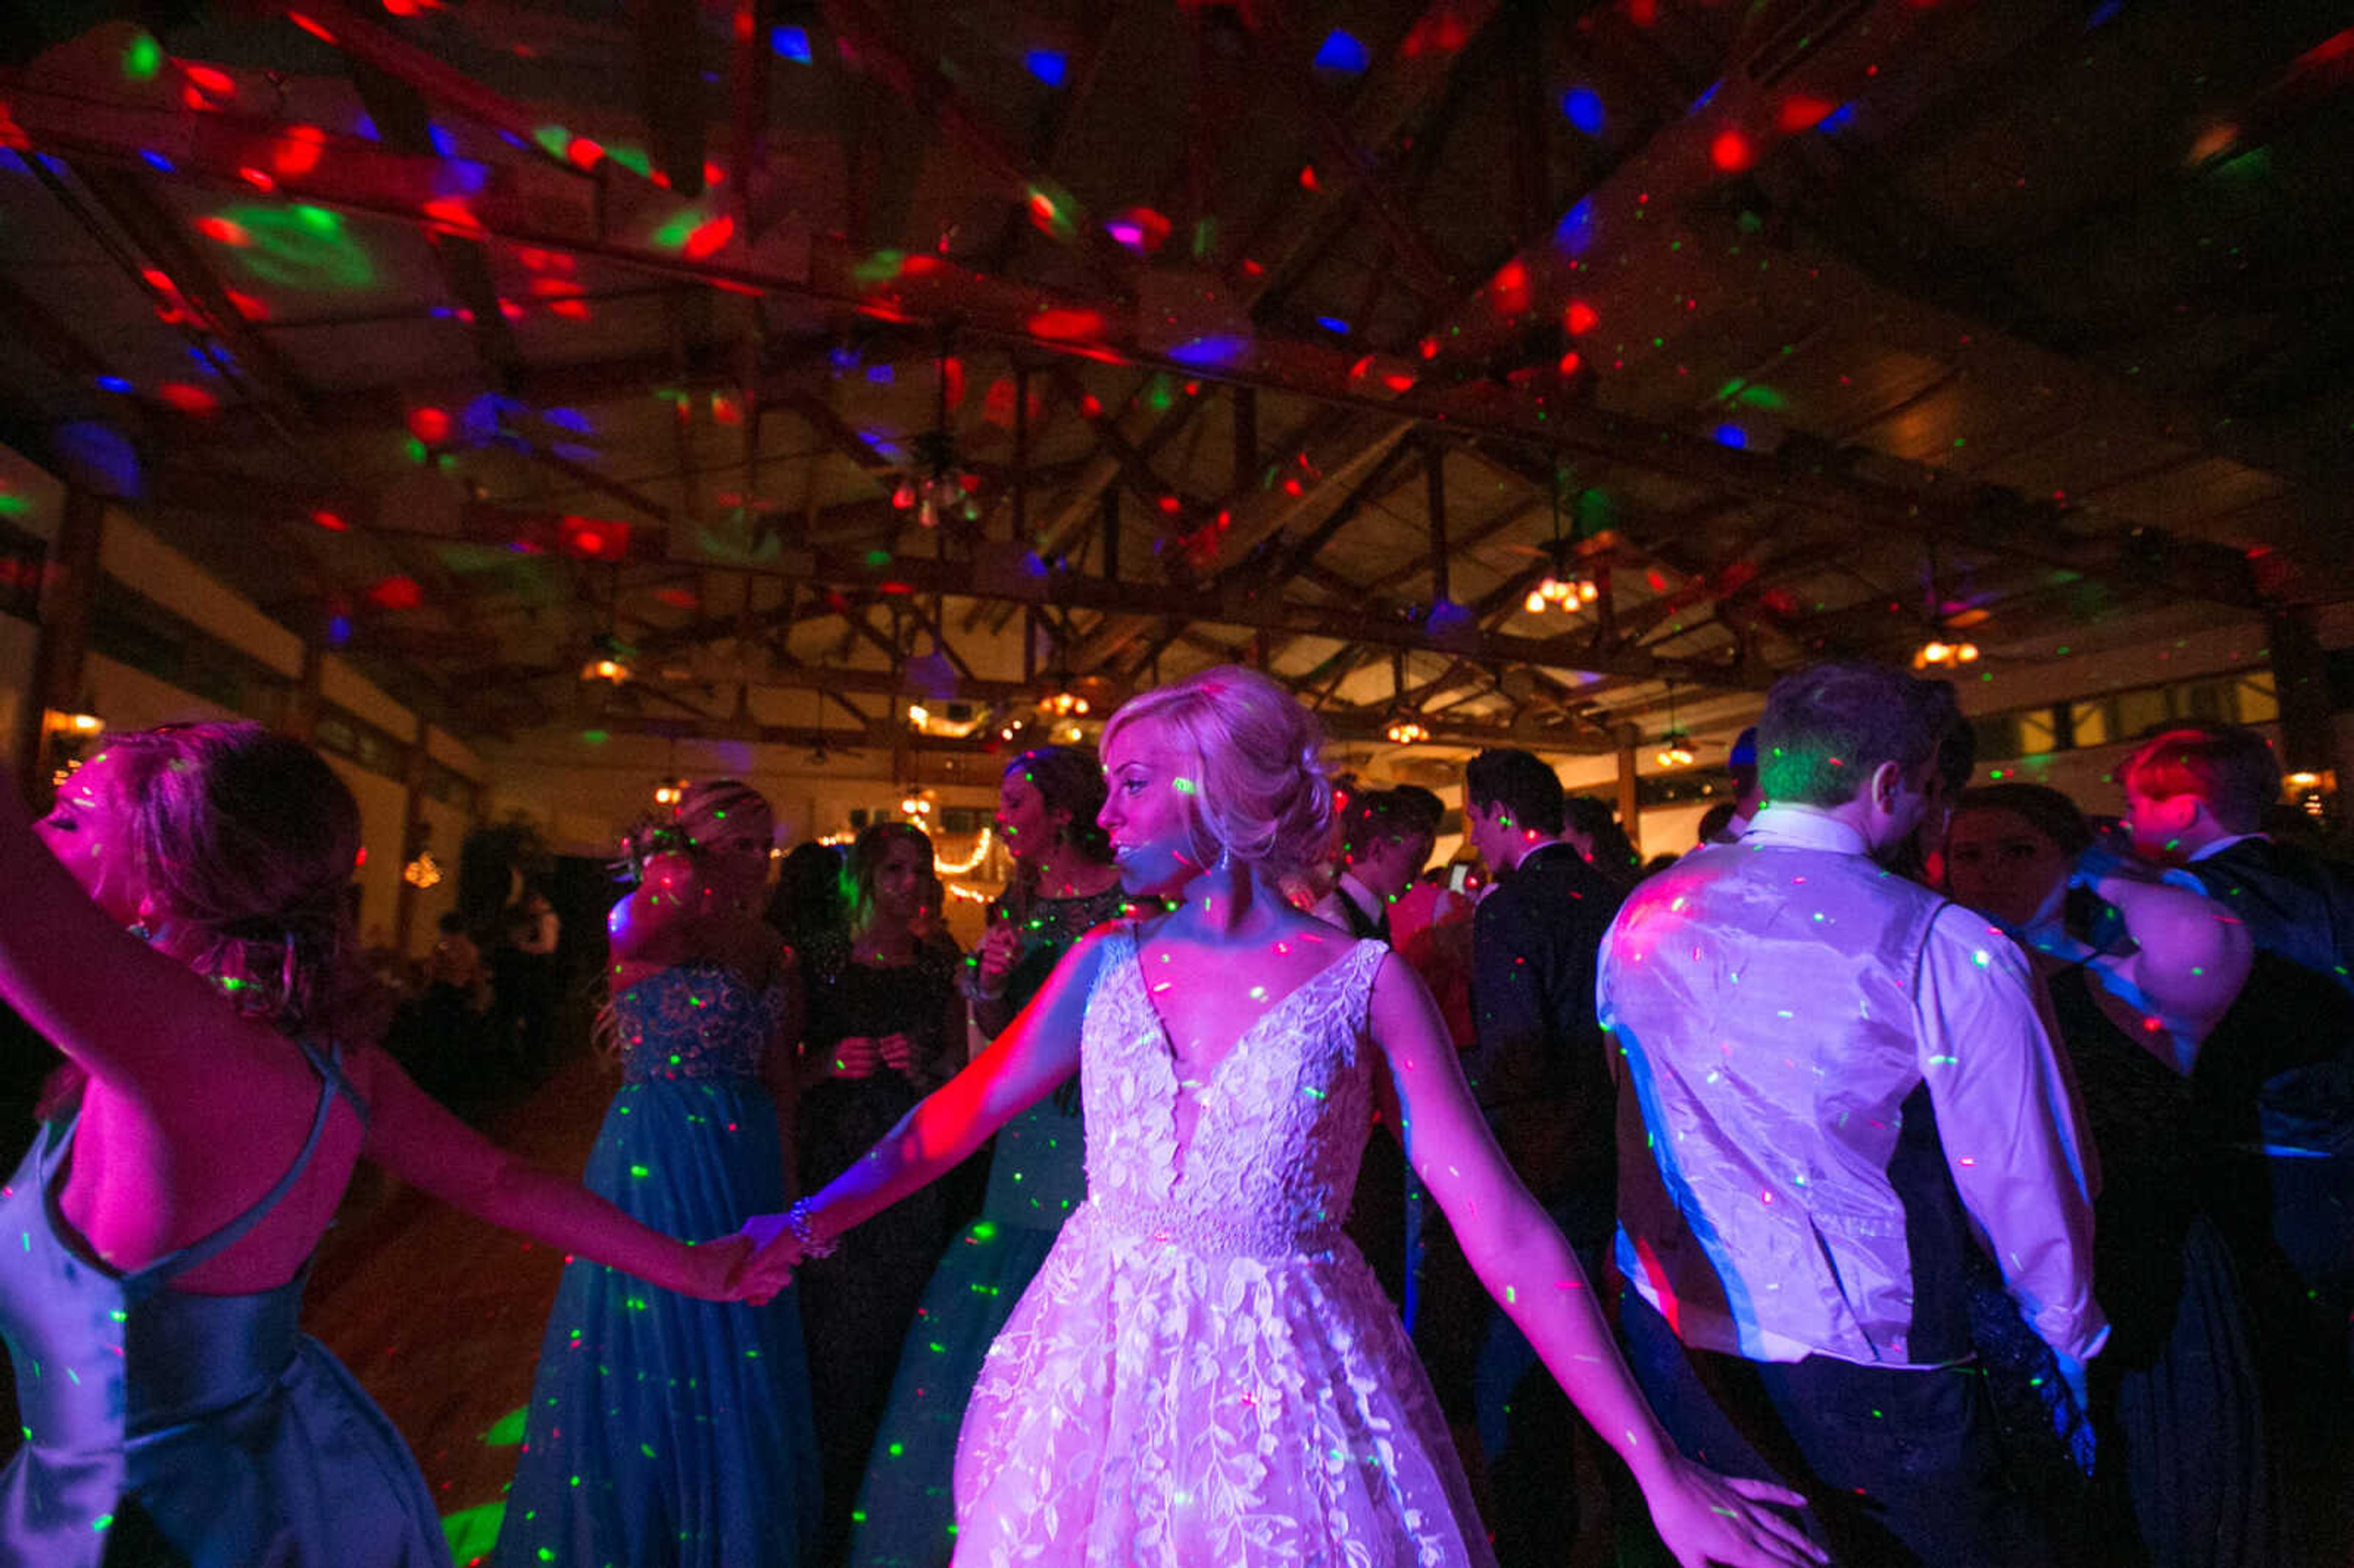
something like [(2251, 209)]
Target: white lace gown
[(1204, 1372)]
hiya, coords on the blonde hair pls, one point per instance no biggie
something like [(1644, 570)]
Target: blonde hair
[(1261, 794)]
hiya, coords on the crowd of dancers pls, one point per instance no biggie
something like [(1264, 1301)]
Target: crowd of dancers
[(1910, 1173)]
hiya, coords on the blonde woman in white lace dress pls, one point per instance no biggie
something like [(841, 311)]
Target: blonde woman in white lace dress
[(1204, 1372)]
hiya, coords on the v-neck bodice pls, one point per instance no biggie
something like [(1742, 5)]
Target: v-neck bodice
[(1281, 1123)]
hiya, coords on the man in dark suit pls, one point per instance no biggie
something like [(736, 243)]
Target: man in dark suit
[(1537, 1069), (2275, 1080)]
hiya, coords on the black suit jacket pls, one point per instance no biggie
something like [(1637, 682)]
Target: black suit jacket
[(2280, 1065), (1537, 1066)]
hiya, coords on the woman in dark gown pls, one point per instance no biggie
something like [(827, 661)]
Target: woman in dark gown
[(665, 1433), (886, 1027), (1064, 886), (177, 927), (2178, 1475)]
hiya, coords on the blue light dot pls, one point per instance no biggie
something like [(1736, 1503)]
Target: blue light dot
[(1049, 66), (791, 42), (113, 384), (1333, 324), (157, 161), (1581, 107), (1341, 52), (1732, 436), (443, 141)]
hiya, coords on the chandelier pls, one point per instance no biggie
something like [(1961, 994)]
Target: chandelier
[(1675, 747), (1406, 732), (1063, 703), (1938, 651), (934, 487), (1564, 587)]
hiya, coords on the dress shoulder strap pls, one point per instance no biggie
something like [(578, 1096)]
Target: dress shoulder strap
[(333, 1086)]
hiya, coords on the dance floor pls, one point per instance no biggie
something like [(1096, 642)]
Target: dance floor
[(439, 1315)]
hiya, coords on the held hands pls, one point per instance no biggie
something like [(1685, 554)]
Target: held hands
[(773, 1253), (898, 1054), (1705, 1517), (713, 1268)]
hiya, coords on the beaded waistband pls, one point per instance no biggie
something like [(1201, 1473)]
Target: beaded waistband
[(1215, 1234)]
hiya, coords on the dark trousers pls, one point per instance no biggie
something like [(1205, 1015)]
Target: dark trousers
[(1900, 1468)]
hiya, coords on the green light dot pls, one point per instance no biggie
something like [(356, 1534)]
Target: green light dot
[(640, 1172), (141, 61), (896, 1450), (101, 1522), (983, 1231)]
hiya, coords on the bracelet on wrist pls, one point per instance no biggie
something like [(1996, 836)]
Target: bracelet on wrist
[(803, 1230)]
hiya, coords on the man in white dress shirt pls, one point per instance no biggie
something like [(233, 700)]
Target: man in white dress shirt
[(1832, 1082)]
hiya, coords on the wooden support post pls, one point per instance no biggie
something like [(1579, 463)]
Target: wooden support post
[(68, 594), (418, 768), (2301, 680), (1112, 534), (1630, 794)]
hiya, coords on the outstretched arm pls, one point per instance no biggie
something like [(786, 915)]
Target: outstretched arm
[(1038, 1050), (1520, 1257), (411, 1136), (132, 1017)]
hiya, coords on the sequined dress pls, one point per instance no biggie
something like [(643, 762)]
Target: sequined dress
[(1206, 1371), (905, 1514), (173, 1430), (664, 1430)]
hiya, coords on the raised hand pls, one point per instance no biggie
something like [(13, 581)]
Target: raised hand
[(999, 946), (1705, 1517)]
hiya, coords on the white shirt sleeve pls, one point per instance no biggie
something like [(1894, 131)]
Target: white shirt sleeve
[(2007, 1119)]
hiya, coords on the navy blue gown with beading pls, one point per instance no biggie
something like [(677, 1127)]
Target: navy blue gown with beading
[(664, 1430), (167, 1429)]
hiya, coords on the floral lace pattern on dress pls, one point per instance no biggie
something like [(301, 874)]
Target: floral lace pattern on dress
[(697, 1020), (1205, 1371)]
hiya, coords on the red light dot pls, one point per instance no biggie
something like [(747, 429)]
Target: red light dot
[(1308, 177), (430, 425), (583, 154), (258, 179), (708, 236), (1730, 151), (299, 150), (1580, 317), (330, 522), (1803, 111), (187, 398), (220, 229), (310, 26), (397, 593), (1171, 505)]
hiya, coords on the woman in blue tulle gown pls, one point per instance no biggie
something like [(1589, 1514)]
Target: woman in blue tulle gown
[(663, 1430), (178, 926), (1064, 886)]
